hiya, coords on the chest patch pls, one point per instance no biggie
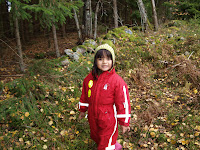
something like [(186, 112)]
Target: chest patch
[(106, 86)]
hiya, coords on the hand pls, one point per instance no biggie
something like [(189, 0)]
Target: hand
[(81, 115), (125, 129)]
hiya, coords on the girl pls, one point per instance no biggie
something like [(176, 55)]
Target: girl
[(105, 96)]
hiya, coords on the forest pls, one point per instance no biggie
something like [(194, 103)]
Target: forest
[(47, 49)]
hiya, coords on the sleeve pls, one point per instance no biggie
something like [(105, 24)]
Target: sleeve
[(83, 103), (122, 103)]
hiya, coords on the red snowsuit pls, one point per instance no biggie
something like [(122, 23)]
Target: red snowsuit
[(107, 101)]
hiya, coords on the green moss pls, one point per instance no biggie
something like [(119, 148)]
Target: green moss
[(109, 42)]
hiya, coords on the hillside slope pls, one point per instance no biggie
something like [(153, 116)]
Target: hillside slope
[(162, 70)]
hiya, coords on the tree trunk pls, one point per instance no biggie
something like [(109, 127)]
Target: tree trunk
[(115, 13), (88, 19), (143, 15), (55, 40), (155, 19), (19, 46), (95, 21), (80, 39), (63, 30)]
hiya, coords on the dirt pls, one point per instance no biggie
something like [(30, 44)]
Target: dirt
[(36, 48)]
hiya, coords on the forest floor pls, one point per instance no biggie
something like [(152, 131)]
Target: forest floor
[(39, 109), (37, 48)]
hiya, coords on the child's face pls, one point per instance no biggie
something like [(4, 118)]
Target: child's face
[(104, 63)]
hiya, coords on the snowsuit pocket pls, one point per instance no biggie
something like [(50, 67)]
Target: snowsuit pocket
[(104, 118)]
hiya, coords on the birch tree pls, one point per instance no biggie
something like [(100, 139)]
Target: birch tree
[(155, 19), (143, 15), (96, 19), (77, 26)]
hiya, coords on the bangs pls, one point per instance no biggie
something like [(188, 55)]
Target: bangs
[(103, 53)]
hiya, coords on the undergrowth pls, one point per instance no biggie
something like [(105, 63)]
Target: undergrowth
[(40, 109)]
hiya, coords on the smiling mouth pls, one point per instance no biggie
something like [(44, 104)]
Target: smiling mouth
[(104, 66)]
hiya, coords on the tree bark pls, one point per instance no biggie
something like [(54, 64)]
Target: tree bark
[(155, 19), (55, 41), (80, 39), (19, 46), (63, 30), (95, 21), (143, 15), (115, 13), (88, 19)]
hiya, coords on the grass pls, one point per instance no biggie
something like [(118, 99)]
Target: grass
[(40, 109)]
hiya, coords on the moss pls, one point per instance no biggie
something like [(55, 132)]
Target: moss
[(109, 42), (174, 28), (83, 46)]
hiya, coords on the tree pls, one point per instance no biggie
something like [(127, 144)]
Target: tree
[(155, 20), (115, 13), (18, 12), (143, 15), (184, 9), (80, 39), (88, 19), (52, 12), (95, 19)]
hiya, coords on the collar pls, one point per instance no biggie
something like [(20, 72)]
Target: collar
[(106, 73)]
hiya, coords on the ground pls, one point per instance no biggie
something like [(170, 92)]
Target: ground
[(35, 48)]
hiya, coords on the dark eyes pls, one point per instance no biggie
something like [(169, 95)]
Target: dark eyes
[(103, 58)]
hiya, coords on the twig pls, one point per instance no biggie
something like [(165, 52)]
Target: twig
[(18, 75), (190, 55), (10, 47)]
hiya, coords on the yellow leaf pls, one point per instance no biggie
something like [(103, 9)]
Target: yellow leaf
[(195, 91), (173, 142), (1, 138), (168, 140), (72, 100), (196, 134), (152, 134), (44, 147), (26, 114), (50, 122), (72, 112), (21, 139), (138, 107), (89, 62), (22, 117), (64, 89), (197, 128)]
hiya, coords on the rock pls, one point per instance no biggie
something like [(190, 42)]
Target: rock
[(69, 52), (187, 53), (80, 50), (170, 36), (76, 56), (128, 31), (90, 49), (182, 38), (65, 62), (90, 41), (72, 55)]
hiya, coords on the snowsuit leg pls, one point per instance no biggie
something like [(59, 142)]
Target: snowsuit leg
[(104, 129)]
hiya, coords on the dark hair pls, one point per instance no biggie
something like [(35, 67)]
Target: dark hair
[(100, 54)]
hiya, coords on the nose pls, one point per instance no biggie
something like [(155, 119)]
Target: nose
[(104, 60)]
